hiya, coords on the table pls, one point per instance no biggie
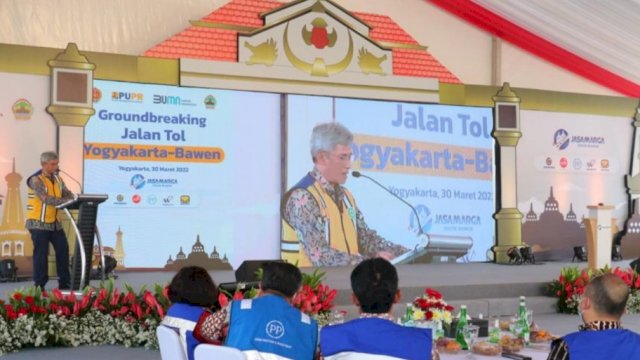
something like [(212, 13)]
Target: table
[(535, 351)]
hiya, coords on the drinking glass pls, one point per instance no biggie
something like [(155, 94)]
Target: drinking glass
[(515, 326), (529, 317), (470, 333)]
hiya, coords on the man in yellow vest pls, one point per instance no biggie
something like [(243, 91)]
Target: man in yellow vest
[(321, 224), (46, 191)]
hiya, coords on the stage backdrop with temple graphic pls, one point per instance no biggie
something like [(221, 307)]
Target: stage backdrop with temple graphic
[(437, 158), (565, 163), (193, 175), (26, 130)]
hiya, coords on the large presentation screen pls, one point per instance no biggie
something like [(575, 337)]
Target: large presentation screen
[(191, 174), (437, 158)]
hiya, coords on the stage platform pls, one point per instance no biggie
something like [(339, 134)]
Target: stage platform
[(485, 288)]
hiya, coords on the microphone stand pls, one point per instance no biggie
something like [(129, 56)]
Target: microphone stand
[(358, 174), (72, 179)]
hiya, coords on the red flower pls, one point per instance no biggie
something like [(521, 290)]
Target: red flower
[(29, 300), (223, 300), (428, 315), (238, 295), (17, 296), (433, 293)]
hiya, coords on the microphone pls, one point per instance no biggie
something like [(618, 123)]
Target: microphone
[(357, 174), (72, 179)]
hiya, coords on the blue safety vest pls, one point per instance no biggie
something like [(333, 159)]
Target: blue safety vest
[(374, 336), (269, 327), (183, 318), (614, 344)]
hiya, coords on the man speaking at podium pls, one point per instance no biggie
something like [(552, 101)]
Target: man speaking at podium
[(321, 224), (46, 191)]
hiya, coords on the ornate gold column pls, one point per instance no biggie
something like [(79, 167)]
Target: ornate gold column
[(71, 106), (633, 179), (507, 133)]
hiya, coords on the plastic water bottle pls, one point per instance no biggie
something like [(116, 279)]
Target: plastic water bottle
[(494, 332), (407, 320), (462, 323), (525, 333)]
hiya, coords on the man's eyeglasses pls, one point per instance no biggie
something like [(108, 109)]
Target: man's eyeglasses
[(343, 157)]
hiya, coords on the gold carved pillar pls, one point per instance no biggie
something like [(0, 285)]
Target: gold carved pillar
[(71, 106), (507, 133)]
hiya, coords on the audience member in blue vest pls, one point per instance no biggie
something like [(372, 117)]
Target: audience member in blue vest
[(375, 289), (195, 313), (601, 336), (268, 327)]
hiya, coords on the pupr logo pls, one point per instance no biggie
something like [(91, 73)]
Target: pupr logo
[(561, 139), (426, 219), (275, 329), (97, 94), (137, 181)]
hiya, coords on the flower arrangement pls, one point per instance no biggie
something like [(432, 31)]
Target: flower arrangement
[(569, 287), (314, 298), (34, 318), (431, 306)]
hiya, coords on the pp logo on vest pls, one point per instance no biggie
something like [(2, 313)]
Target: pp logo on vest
[(275, 329)]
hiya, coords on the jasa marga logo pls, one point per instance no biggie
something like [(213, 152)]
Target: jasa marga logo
[(137, 181), (426, 219), (561, 139)]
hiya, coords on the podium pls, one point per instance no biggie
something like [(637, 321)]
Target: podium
[(85, 229), (599, 242), (436, 249)]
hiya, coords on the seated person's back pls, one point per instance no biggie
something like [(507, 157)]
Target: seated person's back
[(193, 296), (375, 289), (601, 336), (268, 327)]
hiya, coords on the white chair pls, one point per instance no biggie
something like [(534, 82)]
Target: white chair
[(215, 352), (170, 344)]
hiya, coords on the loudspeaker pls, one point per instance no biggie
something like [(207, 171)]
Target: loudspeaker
[(616, 255), (579, 254), (514, 255), (8, 270), (527, 255), (246, 272), (110, 264)]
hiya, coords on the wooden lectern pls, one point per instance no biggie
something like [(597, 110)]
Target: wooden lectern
[(599, 242)]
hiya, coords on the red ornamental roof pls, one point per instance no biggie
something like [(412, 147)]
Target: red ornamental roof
[(219, 44)]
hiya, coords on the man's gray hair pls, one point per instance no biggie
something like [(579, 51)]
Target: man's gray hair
[(326, 136), (47, 156)]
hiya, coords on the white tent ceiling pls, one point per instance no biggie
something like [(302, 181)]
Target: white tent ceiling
[(606, 33)]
